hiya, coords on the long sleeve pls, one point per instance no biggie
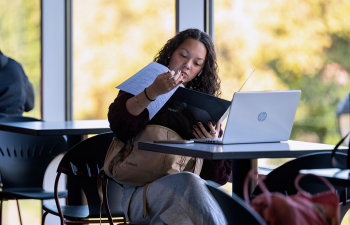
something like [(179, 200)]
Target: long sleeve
[(28, 87), (121, 122), (16, 92), (217, 170)]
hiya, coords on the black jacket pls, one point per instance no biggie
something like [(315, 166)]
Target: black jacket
[(16, 92)]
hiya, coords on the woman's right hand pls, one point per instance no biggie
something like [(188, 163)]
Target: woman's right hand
[(164, 83)]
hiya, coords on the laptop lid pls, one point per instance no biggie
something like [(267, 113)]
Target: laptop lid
[(263, 116)]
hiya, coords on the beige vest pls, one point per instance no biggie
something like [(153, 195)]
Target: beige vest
[(128, 165)]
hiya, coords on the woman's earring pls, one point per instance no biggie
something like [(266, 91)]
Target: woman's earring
[(199, 73)]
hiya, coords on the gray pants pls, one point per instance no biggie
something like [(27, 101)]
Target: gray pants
[(180, 198)]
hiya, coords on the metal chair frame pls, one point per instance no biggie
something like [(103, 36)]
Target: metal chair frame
[(78, 166), (22, 154), (234, 208)]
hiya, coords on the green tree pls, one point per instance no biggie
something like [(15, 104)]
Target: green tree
[(301, 44)]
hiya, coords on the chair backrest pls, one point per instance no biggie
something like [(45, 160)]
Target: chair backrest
[(343, 120), (24, 158), (282, 178), (234, 208), (82, 163)]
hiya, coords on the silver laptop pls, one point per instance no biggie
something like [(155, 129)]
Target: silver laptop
[(255, 117)]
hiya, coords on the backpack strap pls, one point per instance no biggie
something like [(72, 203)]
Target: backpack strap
[(144, 200), (190, 166), (99, 184), (99, 188)]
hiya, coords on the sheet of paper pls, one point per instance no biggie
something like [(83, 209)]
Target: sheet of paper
[(225, 114), (144, 78)]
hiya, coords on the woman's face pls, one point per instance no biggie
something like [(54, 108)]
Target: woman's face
[(189, 57)]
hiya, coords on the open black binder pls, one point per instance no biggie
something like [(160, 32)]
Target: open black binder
[(187, 107)]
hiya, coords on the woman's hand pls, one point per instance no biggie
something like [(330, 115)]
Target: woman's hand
[(201, 132), (164, 83)]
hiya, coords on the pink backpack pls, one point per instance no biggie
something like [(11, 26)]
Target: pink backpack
[(300, 209)]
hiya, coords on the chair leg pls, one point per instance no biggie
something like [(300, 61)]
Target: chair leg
[(57, 201), (1, 210), (105, 199), (19, 212), (44, 217)]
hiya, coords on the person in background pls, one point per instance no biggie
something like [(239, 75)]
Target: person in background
[(179, 198), (16, 92)]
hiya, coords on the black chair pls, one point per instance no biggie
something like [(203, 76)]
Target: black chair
[(282, 178), (234, 208), (23, 162), (82, 163)]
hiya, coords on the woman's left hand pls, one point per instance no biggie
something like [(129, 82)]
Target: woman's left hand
[(200, 131)]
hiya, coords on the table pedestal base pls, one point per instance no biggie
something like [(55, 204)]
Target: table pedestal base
[(240, 169), (75, 194)]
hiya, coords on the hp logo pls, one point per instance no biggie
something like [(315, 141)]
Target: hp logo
[(262, 116)]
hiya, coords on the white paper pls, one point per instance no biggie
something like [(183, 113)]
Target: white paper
[(144, 78)]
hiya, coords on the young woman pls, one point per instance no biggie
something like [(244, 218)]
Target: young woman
[(180, 198)]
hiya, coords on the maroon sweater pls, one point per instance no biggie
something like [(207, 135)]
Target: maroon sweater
[(126, 126)]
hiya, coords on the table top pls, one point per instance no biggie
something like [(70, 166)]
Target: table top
[(47, 128), (286, 149), (329, 173)]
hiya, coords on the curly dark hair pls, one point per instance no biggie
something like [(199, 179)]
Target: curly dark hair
[(208, 82)]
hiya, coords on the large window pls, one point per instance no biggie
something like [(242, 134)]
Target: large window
[(292, 45), (20, 40), (112, 40)]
